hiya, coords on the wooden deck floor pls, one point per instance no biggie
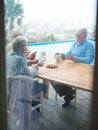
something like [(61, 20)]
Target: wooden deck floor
[(58, 118)]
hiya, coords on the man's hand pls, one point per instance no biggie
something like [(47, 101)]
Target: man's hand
[(71, 58)]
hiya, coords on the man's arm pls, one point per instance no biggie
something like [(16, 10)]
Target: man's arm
[(89, 55), (68, 53)]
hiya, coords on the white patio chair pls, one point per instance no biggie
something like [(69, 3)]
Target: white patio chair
[(21, 92)]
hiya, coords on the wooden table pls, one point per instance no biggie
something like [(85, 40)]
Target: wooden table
[(76, 75)]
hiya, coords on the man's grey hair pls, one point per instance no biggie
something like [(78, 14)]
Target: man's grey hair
[(85, 32)]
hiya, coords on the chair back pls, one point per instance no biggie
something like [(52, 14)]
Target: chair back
[(20, 87)]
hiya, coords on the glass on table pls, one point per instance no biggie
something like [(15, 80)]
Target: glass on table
[(42, 57), (58, 58)]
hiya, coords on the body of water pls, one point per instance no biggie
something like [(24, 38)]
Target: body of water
[(52, 47)]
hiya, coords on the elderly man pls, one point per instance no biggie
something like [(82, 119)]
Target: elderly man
[(82, 50)]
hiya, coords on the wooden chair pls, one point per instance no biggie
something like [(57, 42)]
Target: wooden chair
[(21, 93)]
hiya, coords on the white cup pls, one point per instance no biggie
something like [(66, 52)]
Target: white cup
[(42, 57)]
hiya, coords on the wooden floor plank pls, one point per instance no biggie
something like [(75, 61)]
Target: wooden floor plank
[(58, 118)]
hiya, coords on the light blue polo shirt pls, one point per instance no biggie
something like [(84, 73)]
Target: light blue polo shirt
[(83, 52)]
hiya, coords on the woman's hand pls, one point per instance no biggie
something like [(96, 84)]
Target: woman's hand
[(40, 64), (32, 56)]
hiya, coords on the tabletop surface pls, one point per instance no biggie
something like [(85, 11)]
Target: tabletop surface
[(77, 75)]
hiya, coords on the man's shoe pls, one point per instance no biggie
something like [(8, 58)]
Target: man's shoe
[(69, 99), (66, 104), (72, 97)]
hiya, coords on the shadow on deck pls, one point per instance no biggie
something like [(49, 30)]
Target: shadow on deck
[(58, 118)]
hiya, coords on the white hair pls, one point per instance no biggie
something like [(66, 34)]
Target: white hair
[(16, 32)]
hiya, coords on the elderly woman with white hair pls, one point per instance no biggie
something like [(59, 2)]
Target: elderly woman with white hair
[(16, 65), (16, 61)]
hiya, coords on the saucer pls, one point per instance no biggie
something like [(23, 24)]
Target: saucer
[(51, 65)]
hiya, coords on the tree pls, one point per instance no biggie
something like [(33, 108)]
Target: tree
[(13, 13)]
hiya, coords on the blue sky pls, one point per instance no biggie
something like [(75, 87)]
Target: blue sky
[(78, 11)]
